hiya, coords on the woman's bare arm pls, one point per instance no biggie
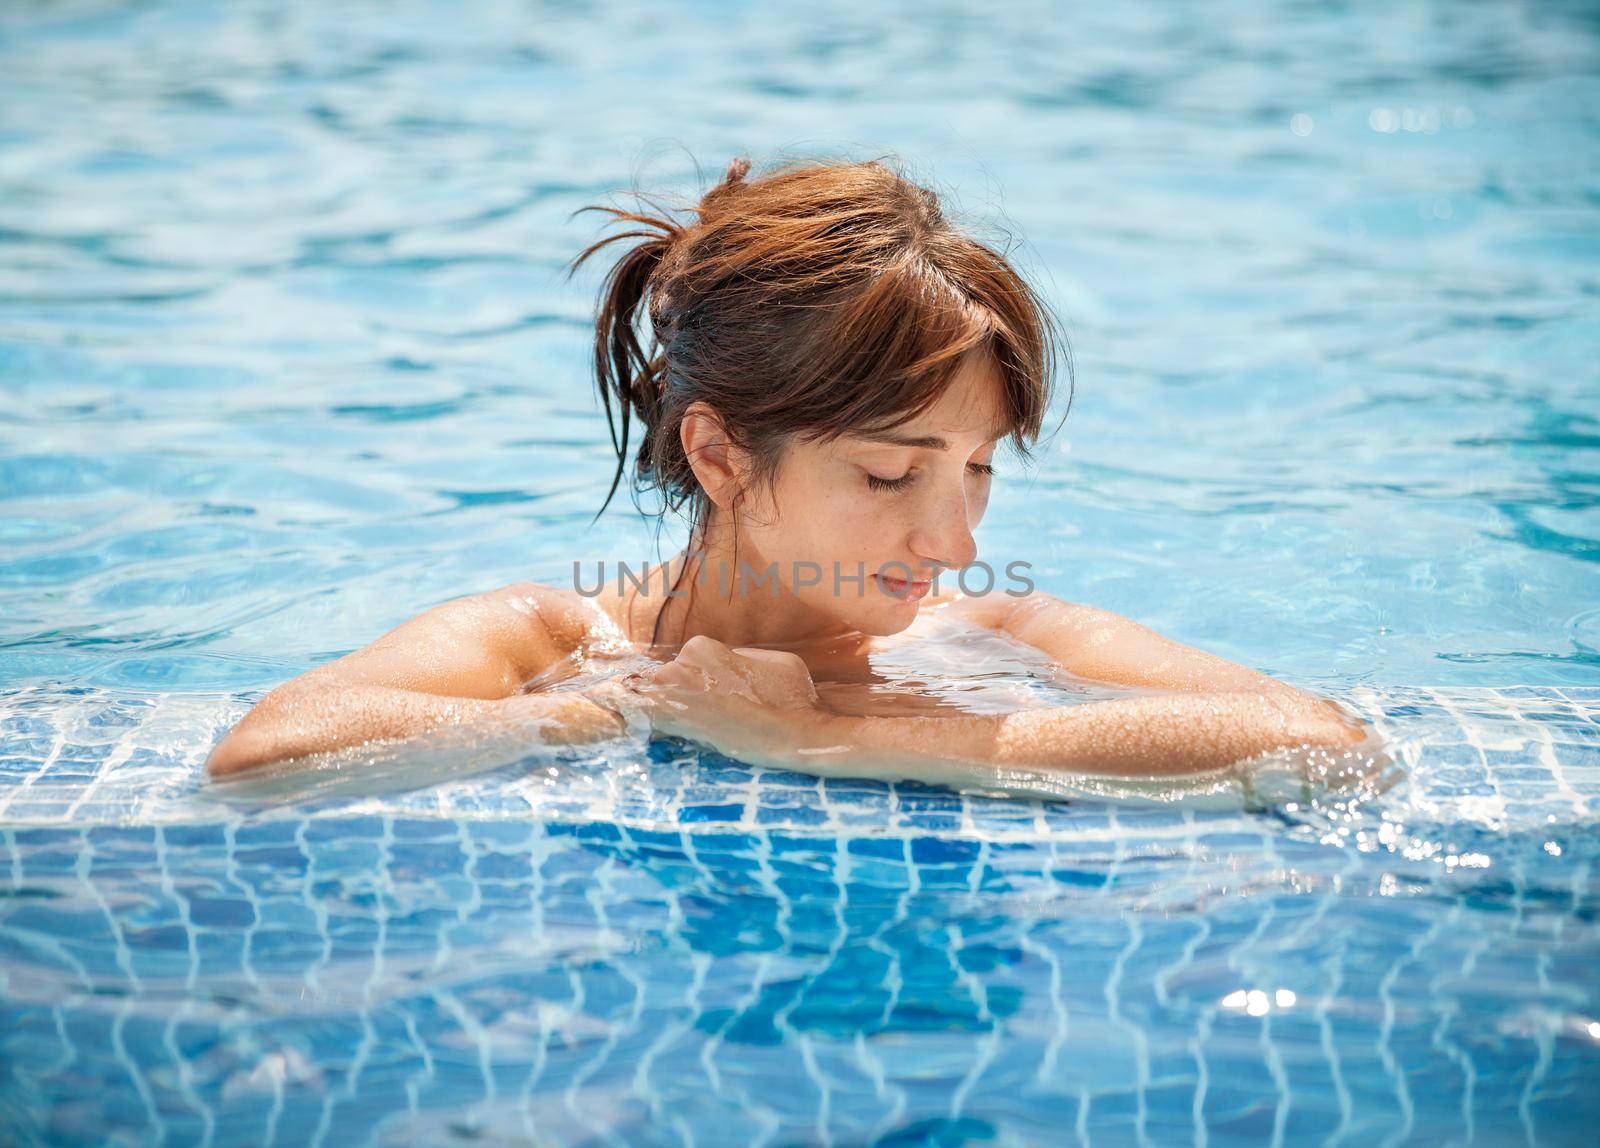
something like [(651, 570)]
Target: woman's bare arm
[(760, 711), (1102, 646), (464, 660), (1156, 735)]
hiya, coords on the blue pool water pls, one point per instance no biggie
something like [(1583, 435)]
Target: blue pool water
[(286, 357)]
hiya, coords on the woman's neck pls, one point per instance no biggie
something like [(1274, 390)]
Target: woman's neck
[(711, 598)]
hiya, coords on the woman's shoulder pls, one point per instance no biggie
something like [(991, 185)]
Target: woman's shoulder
[(988, 610), (567, 618)]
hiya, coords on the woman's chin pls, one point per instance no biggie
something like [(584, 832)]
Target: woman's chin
[(889, 618), (876, 614)]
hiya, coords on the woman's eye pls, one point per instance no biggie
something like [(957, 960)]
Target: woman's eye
[(900, 483), (981, 468)]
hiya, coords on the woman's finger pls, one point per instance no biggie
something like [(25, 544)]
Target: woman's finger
[(778, 659), (637, 681), (681, 676), (703, 651)]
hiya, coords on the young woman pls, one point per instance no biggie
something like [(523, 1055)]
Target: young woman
[(822, 368)]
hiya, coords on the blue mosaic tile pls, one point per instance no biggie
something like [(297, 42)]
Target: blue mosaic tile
[(476, 943)]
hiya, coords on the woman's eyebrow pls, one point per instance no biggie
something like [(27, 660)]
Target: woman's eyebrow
[(927, 441)]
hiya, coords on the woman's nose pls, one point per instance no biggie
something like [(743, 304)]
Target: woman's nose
[(945, 536)]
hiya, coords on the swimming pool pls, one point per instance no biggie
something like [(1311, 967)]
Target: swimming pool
[(285, 358)]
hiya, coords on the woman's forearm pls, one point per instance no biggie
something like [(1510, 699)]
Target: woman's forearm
[(300, 723), (1146, 736)]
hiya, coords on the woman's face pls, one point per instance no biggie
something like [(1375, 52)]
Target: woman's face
[(904, 503)]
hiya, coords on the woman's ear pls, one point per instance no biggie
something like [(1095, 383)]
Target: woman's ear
[(718, 464)]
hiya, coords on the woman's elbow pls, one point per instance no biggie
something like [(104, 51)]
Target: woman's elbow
[(1310, 719), (276, 730), (1326, 723), (238, 751), (255, 740)]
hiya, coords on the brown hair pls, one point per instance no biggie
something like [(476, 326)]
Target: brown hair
[(818, 300)]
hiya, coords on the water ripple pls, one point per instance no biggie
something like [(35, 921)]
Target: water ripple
[(297, 270)]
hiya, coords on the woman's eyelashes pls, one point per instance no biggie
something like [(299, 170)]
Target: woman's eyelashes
[(984, 469), (900, 483)]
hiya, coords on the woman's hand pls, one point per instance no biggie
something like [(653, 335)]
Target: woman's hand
[(749, 703)]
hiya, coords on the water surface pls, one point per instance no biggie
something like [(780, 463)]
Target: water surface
[(286, 357)]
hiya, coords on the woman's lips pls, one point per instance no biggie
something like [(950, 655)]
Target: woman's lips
[(900, 588)]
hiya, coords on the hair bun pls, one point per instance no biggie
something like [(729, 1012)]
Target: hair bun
[(737, 170)]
